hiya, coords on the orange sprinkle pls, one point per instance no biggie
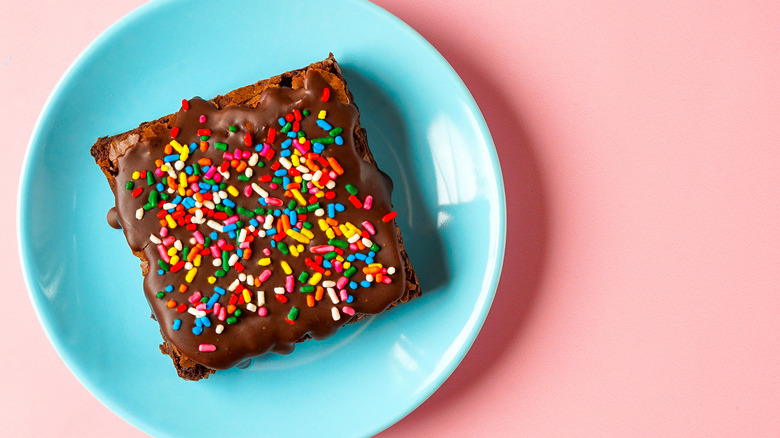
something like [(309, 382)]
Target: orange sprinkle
[(310, 300), (204, 161), (171, 304), (231, 308), (319, 293), (335, 165)]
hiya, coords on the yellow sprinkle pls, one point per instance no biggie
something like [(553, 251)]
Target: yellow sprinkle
[(319, 194), (171, 222), (171, 251), (322, 114), (346, 265), (286, 268), (294, 251), (185, 153), (295, 161), (136, 174), (212, 280), (298, 179), (301, 140), (376, 265), (191, 275), (196, 262), (174, 260), (176, 146), (232, 190), (346, 231), (164, 167), (298, 196), (315, 278), (265, 261), (183, 184), (323, 225), (247, 297), (330, 233), (307, 233), (300, 248), (298, 236)]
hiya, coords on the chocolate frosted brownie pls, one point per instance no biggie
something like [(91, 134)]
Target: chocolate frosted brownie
[(260, 218)]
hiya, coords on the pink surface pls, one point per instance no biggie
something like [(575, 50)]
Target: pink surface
[(640, 144)]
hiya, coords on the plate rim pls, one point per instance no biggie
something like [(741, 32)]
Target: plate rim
[(494, 263)]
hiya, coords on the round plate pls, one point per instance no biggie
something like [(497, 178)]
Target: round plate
[(425, 131)]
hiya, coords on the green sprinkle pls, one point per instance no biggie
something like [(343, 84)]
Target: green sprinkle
[(222, 186), (149, 206), (301, 210), (204, 300), (293, 314), (338, 243), (351, 189), (185, 252), (349, 272), (307, 289), (260, 164), (283, 248), (245, 212), (301, 133), (130, 185), (292, 204), (164, 196), (230, 212), (243, 177), (232, 128), (308, 225), (220, 273), (237, 312), (335, 131), (219, 207), (276, 180), (330, 255), (306, 112), (323, 140), (303, 277), (231, 320), (153, 197), (220, 146), (259, 211), (313, 207), (375, 248), (195, 169), (150, 178), (225, 257), (204, 137), (160, 294), (286, 128), (164, 266), (210, 182)]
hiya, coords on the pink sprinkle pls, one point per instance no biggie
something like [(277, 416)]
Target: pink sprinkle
[(194, 297), (244, 245), (298, 146), (274, 201), (353, 247), (221, 243), (202, 118), (163, 232), (201, 306), (337, 266), (227, 156), (206, 348), (218, 177), (212, 170), (199, 237), (248, 191), (168, 241), (342, 282), (367, 225), (387, 280), (262, 311), (264, 276), (367, 204), (246, 154), (216, 308), (163, 253), (348, 310), (273, 186), (343, 295), (265, 149), (266, 251), (231, 220), (322, 249), (215, 251), (158, 172), (289, 283), (333, 175), (195, 187), (222, 314)]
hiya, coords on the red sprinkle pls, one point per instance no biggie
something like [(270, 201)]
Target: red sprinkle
[(389, 216), (356, 202), (281, 298), (325, 94), (248, 139), (185, 104), (174, 132), (271, 135), (137, 192)]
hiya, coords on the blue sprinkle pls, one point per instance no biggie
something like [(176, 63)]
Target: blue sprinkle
[(204, 186), (188, 170), (282, 122), (365, 283), (219, 290), (205, 320), (215, 188), (176, 200), (229, 203), (170, 158), (253, 222), (230, 227), (360, 256), (331, 211), (318, 148), (338, 140), (169, 288), (351, 258), (327, 264), (259, 148), (160, 187), (286, 182), (339, 207), (262, 201), (188, 202), (277, 213), (197, 329), (240, 252), (285, 153), (193, 146), (293, 217), (176, 324), (280, 172), (287, 143), (324, 125), (292, 134), (232, 234), (273, 243), (352, 285), (270, 232), (369, 260), (198, 323), (214, 298), (160, 272), (350, 298), (213, 235)]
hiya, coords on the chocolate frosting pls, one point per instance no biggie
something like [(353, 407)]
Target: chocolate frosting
[(251, 334)]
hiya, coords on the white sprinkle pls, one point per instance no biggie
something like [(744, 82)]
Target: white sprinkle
[(278, 290), (334, 311), (216, 262), (285, 162), (220, 328), (355, 237), (156, 240), (250, 280), (269, 222), (253, 159), (233, 259), (168, 206), (215, 225), (178, 165), (261, 299), (391, 270), (208, 204), (319, 212), (241, 276), (139, 214), (368, 243), (195, 312), (303, 169), (259, 190), (187, 266), (369, 278), (178, 245), (251, 307), (333, 296), (330, 185), (249, 172), (328, 283), (317, 176), (233, 285)]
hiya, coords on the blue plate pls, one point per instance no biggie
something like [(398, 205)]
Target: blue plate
[(426, 133)]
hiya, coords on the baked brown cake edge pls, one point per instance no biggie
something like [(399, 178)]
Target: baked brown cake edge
[(107, 150)]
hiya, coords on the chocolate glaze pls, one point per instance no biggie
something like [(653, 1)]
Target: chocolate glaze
[(113, 220), (253, 335)]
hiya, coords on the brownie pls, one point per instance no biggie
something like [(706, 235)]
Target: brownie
[(260, 218)]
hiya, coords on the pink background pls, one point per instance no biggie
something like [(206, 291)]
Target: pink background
[(640, 144)]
